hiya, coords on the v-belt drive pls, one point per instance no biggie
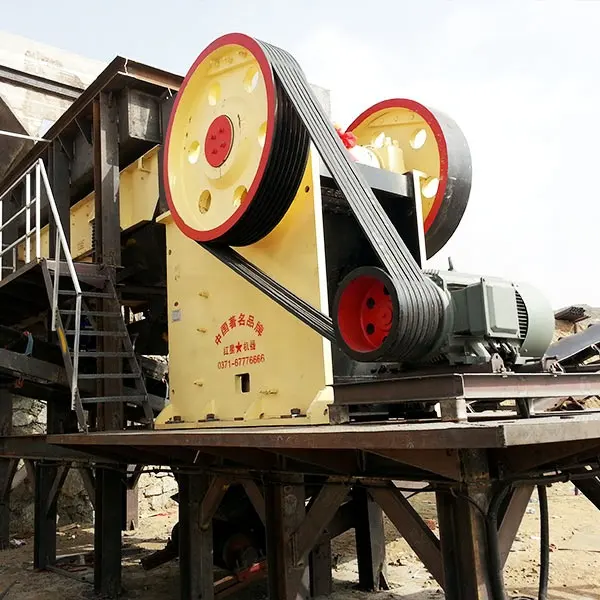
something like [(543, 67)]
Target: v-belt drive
[(246, 186)]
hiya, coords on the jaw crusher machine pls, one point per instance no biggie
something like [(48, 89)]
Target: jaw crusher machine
[(295, 252)]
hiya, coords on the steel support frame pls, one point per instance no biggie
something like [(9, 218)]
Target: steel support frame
[(110, 482), (59, 164), (298, 538), (370, 542), (110, 486), (468, 386), (107, 244), (285, 511), (8, 467), (463, 542), (197, 504)]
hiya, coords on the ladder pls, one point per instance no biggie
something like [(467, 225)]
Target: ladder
[(74, 290)]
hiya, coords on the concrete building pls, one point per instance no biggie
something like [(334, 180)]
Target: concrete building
[(37, 84)]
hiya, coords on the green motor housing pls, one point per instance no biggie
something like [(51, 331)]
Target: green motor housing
[(490, 316)]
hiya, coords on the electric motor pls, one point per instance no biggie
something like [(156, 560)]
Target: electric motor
[(483, 317)]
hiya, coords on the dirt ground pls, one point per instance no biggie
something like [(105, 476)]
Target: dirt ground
[(574, 575)]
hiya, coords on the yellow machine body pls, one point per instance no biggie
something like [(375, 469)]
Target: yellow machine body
[(236, 357), (138, 196)]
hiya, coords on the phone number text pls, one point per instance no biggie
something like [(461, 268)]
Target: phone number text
[(241, 361)]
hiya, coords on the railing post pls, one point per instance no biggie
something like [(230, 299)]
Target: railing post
[(38, 202), (28, 218), (62, 245), (56, 274), (1, 239), (75, 374)]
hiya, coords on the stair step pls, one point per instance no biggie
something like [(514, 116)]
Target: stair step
[(124, 399), (109, 375), (94, 333), (93, 354), (87, 294), (93, 313)]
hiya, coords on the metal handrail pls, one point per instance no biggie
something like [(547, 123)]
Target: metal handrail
[(61, 245)]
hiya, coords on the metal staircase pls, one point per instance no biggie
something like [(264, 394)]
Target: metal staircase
[(84, 303)]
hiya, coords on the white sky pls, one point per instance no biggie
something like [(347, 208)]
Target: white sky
[(521, 78)]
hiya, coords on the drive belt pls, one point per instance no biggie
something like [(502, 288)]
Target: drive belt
[(306, 313), (419, 301)]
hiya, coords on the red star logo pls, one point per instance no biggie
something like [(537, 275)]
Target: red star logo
[(239, 347)]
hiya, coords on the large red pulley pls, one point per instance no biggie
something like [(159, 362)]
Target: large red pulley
[(403, 135), (365, 314)]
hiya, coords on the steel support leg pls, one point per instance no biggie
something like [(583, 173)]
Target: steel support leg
[(44, 542), (195, 541), (370, 542), (107, 530), (7, 468), (462, 532), (131, 508), (320, 565), (284, 502), (49, 479)]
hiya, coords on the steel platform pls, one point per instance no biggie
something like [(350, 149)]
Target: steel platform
[(566, 427)]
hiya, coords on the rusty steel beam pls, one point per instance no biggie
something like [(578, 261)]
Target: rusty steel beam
[(573, 428), (40, 84), (109, 512), (195, 541), (132, 506), (335, 437), (370, 542), (59, 479), (212, 499), (107, 247), (256, 496), (589, 487), (44, 541), (511, 519), (321, 512), (36, 447), (469, 386), (462, 527), (88, 479), (411, 527), (344, 519), (33, 369), (446, 464), (59, 173), (342, 462), (320, 565), (8, 467), (284, 500)]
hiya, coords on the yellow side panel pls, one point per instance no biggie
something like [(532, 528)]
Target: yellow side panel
[(139, 190), (44, 246), (236, 357), (138, 195), (82, 220)]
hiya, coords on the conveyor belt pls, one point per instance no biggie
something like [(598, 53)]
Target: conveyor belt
[(574, 350)]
